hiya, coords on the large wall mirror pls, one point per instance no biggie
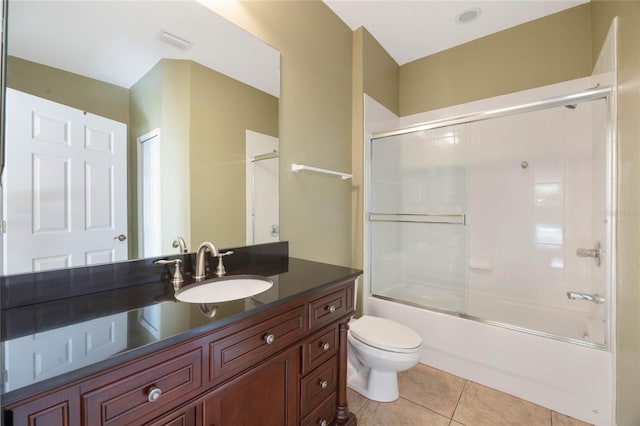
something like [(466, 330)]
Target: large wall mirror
[(130, 124)]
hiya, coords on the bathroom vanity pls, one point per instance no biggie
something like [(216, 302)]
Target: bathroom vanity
[(278, 358)]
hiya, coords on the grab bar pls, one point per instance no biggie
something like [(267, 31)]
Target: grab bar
[(454, 219), (595, 298)]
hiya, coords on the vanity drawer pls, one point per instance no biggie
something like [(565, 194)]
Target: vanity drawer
[(129, 399), (323, 414), (247, 347), (61, 408), (318, 385), (326, 309), (319, 348)]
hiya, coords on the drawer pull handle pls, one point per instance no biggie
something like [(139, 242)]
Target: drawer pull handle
[(324, 384), (322, 423), (154, 394), (269, 339), (326, 347), (332, 308)]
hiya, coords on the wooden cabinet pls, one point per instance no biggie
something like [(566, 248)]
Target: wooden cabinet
[(267, 395), (282, 366)]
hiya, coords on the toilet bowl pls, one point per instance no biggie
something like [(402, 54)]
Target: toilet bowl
[(378, 349)]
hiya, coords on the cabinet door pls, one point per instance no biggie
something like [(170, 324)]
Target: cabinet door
[(190, 416), (266, 395)]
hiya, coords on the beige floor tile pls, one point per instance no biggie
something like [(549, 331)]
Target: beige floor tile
[(355, 401), (558, 419), (398, 413), (432, 388), (483, 406)]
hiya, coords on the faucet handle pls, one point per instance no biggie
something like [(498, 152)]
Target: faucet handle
[(220, 271), (177, 274)]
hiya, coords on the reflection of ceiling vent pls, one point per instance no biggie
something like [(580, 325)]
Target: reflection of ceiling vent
[(174, 40), (468, 16)]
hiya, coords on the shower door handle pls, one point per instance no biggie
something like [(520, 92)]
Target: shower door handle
[(595, 298), (594, 253)]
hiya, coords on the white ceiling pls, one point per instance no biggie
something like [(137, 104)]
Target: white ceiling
[(116, 41), (409, 30)]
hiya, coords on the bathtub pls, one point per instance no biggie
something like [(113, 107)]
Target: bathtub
[(566, 377), (581, 326)]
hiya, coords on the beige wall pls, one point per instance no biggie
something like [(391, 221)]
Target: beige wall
[(160, 100), (628, 219), (174, 152), (315, 120), (145, 115), (376, 74), (74, 90), (357, 151), (222, 109), (549, 50), (381, 73)]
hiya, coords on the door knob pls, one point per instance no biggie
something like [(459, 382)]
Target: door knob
[(120, 237)]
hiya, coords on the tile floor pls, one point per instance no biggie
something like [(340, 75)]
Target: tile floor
[(433, 397)]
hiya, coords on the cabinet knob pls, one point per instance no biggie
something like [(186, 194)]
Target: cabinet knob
[(153, 394), (269, 338), (322, 423), (326, 346), (332, 308), (324, 384)]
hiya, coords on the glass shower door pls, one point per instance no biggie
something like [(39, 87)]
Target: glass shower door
[(417, 219), (499, 220)]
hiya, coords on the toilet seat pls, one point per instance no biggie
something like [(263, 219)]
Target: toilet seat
[(385, 334)]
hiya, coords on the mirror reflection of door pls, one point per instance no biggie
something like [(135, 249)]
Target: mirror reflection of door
[(64, 187), (149, 195), (263, 193)]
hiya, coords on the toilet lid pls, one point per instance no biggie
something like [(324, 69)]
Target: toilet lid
[(385, 334)]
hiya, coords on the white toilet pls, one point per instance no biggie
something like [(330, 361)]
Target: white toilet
[(378, 349)]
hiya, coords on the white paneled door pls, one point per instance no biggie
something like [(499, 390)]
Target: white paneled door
[(65, 187)]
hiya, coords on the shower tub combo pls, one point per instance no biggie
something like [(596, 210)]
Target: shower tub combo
[(490, 234)]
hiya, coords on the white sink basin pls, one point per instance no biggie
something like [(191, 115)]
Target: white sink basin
[(224, 289)]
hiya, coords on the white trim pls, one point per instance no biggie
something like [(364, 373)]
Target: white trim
[(156, 133)]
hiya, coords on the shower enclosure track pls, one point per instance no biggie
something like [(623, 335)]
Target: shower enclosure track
[(454, 219), (567, 100)]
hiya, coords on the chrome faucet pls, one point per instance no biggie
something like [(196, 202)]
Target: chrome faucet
[(201, 261)]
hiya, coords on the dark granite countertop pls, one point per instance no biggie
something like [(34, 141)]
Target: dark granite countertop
[(130, 321)]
